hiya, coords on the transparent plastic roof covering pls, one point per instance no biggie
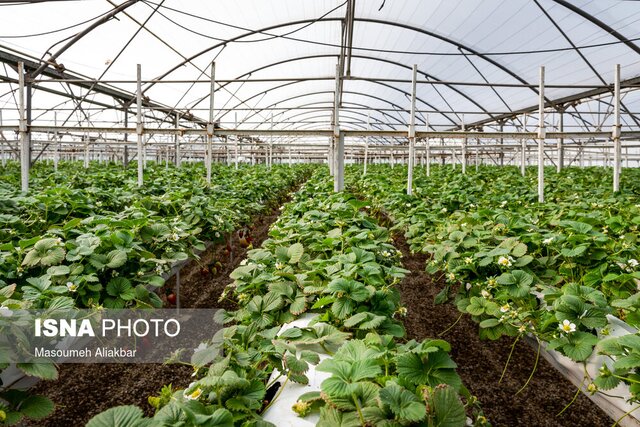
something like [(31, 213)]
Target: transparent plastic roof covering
[(283, 55)]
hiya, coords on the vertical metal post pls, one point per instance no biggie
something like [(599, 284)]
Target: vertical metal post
[(125, 154), (4, 162), (235, 146), (338, 138), (339, 176), (428, 146), (139, 124), (560, 160), (270, 153), (523, 149), (617, 151), (86, 150), (176, 142), (25, 161), (210, 125), (412, 131), (56, 155), (541, 137), (464, 147), (477, 144), (501, 144), (366, 144)]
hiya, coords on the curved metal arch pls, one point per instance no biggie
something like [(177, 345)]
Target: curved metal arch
[(366, 57), (383, 113), (631, 45), (360, 122), (324, 113), (377, 121), (322, 109), (370, 20), (105, 18), (257, 111), (330, 92)]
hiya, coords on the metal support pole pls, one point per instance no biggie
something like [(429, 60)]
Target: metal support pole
[(523, 148), (176, 142), (4, 162), (560, 160), (125, 154), (501, 143), (86, 150), (270, 153), (464, 149), (412, 131), (235, 145), (56, 155), (139, 125), (210, 125), (477, 144), (338, 138), (366, 145), (541, 137), (25, 161), (339, 176), (617, 151)]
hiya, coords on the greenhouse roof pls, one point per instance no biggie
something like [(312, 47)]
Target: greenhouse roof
[(478, 62)]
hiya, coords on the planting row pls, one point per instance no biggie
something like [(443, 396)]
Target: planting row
[(91, 238), (101, 240), (552, 270), (327, 257)]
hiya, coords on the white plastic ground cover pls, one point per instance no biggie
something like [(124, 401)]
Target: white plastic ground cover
[(280, 412), (615, 405)]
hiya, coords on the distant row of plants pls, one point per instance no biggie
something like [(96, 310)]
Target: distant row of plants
[(553, 270), (92, 238), (328, 257)]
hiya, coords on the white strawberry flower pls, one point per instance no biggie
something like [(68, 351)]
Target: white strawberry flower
[(633, 263), (567, 327), (547, 241), (485, 294), (505, 308), (72, 287), (505, 261)]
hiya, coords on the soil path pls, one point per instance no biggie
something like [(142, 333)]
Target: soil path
[(480, 363), (82, 391)]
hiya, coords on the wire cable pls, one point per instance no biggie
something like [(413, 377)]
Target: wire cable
[(402, 52)]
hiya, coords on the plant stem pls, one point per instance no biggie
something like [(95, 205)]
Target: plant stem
[(278, 393), (572, 400), (355, 401), (452, 325), (513, 347), (535, 366), (625, 415)]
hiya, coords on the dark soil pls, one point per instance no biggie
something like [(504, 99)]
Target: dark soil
[(480, 363), (84, 390)]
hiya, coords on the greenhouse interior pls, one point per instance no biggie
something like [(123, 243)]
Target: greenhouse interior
[(330, 212)]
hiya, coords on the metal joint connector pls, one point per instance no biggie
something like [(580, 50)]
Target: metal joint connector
[(542, 133), (616, 131)]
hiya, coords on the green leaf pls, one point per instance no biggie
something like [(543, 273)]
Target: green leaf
[(404, 404), (295, 253), (45, 371), (519, 250), (36, 407), (120, 416), (116, 258), (631, 361), (448, 409)]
